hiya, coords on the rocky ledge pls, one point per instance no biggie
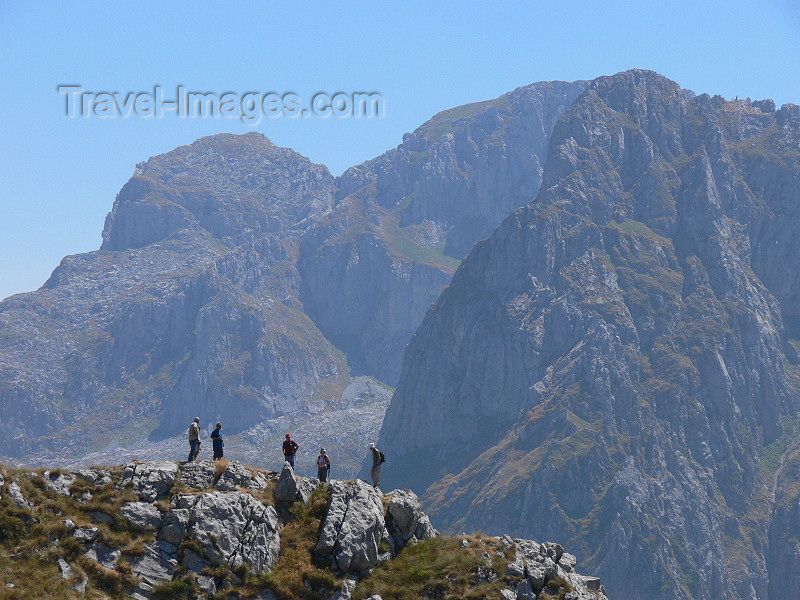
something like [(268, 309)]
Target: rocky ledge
[(214, 530)]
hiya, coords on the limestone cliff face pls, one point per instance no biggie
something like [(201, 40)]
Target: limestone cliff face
[(233, 273), (190, 306), (614, 365), (372, 267)]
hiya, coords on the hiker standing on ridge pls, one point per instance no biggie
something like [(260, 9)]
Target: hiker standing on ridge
[(218, 443), (289, 449), (323, 466), (194, 439), (377, 460)]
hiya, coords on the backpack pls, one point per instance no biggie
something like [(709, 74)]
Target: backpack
[(383, 458)]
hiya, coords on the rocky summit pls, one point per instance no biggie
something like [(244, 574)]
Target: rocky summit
[(616, 367), (158, 530), (241, 282)]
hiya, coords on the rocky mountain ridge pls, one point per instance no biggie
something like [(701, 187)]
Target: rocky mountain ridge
[(212, 530), (241, 282), (615, 367)]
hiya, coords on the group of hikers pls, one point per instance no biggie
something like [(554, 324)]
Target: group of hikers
[(290, 448)]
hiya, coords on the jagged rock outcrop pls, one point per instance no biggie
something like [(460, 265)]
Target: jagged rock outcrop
[(353, 527), (611, 366), (235, 528), (208, 540), (405, 520), (150, 480)]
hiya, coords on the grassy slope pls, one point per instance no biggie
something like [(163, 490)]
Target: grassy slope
[(31, 542)]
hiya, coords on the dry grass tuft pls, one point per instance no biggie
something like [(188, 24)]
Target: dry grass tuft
[(439, 568)]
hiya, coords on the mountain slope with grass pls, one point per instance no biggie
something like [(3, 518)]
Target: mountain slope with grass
[(164, 531), (616, 367)]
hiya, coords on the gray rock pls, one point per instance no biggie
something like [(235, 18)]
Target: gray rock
[(141, 514), (174, 524), (58, 483), (150, 480), (206, 584), (198, 475), (567, 562), (80, 585), (525, 591), (65, 569), (405, 518), (85, 535), (154, 567), (306, 487), (184, 500), (193, 562), (236, 475), (286, 489), (346, 591), (105, 555), (70, 525), (353, 527), (235, 528), (15, 493), (507, 594), (592, 583), (98, 477)]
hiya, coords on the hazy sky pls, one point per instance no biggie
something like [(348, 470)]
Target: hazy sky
[(59, 175)]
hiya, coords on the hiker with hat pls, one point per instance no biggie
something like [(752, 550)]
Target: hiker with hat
[(289, 449), (323, 466), (377, 460)]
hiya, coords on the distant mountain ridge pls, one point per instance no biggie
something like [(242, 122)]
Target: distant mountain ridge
[(616, 367), (239, 281)]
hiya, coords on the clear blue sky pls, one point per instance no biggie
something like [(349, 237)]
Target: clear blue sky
[(59, 176)]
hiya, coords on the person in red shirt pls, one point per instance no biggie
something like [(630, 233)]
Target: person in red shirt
[(289, 449)]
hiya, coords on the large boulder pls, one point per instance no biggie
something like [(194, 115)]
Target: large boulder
[(104, 555), (405, 519), (174, 525), (535, 565), (16, 495), (141, 514), (97, 477), (236, 476), (59, 482), (353, 527), (235, 528), (150, 480)]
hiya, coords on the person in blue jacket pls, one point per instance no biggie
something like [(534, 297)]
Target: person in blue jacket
[(218, 443)]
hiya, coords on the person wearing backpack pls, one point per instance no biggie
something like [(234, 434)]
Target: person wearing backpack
[(377, 460), (323, 465)]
